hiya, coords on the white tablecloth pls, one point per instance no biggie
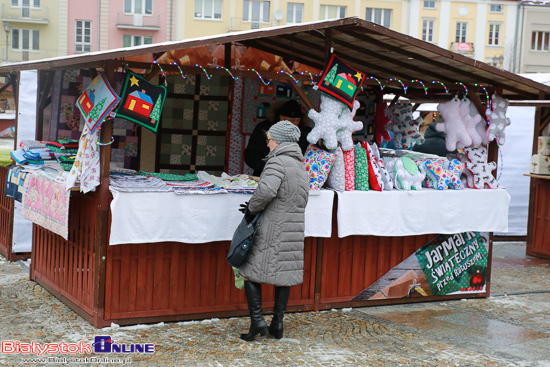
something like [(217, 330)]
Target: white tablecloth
[(149, 217), (407, 213)]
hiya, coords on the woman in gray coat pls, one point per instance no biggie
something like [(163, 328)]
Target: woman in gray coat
[(277, 256)]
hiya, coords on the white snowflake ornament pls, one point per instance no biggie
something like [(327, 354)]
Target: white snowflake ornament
[(327, 122)]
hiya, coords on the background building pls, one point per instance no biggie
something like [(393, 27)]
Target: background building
[(511, 34)]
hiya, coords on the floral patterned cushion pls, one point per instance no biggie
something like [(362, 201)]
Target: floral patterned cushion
[(318, 164)]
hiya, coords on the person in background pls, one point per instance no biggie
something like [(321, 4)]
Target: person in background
[(434, 142), (277, 256), (256, 150)]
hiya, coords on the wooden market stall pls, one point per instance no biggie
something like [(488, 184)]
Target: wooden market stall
[(176, 280)]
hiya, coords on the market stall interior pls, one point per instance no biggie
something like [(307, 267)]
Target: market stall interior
[(128, 251)]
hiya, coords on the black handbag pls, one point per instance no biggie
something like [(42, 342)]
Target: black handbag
[(242, 241)]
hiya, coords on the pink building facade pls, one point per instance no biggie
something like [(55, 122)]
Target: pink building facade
[(102, 24), (137, 22)]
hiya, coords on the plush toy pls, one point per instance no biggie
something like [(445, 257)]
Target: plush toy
[(497, 119), (344, 136), (361, 169), (481, 126), (478, 171), (337, 176), (380, 123), (453, 126), (379, 178), (471, 122), (404, 128), (443, 174), (327, 122), (408, 176)]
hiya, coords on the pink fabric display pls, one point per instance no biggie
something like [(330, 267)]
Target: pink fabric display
[(349, 164)]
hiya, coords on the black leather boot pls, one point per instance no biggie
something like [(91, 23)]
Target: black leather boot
[(253, 292), (279, 308)]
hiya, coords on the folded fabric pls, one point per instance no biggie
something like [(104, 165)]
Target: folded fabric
[(208, 190), (15, 182), (170, 176), (31, 144), (63, 146)]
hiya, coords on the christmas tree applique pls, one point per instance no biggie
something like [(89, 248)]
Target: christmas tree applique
[(155, 113), (95, 113)]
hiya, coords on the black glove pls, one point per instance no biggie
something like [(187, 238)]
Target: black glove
[(244, 208), (249, 217)]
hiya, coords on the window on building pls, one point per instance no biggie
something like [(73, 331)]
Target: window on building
[(429, 4), (379, 16), (332, 12), (494, 34), (496, 8), (256, 11), (294, 12), (540, 41), (138, 6), (83, 39), (25, 39), (461, 31), (428, 30), (26, 3), (129, 40), (208, 9)]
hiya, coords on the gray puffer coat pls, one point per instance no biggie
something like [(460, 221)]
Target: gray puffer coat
[(277, 256)]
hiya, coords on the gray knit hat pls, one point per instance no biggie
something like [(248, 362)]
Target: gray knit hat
[(285, 131)]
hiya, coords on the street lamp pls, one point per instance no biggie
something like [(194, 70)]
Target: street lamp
[(7, 29)]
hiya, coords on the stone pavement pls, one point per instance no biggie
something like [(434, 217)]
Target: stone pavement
[(511, 328)]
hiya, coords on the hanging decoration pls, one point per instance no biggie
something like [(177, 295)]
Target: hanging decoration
[(142, 102), (340, 81), (497, 119), (97, 101)]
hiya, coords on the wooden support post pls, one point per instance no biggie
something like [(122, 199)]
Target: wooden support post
[(477, 102), (227, 55), (102, 229)]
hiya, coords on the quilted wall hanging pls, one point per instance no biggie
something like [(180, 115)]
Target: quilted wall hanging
[(193, 134), (258, 97), (141, 102), (97, 101), (67, 122), (340, 81)]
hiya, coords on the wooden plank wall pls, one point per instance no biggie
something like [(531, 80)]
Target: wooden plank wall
[(541, 220), (353, 263), (149, 280), (68, 267), (6, 217)]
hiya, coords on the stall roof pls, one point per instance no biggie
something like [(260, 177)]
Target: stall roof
[(389, 56)]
